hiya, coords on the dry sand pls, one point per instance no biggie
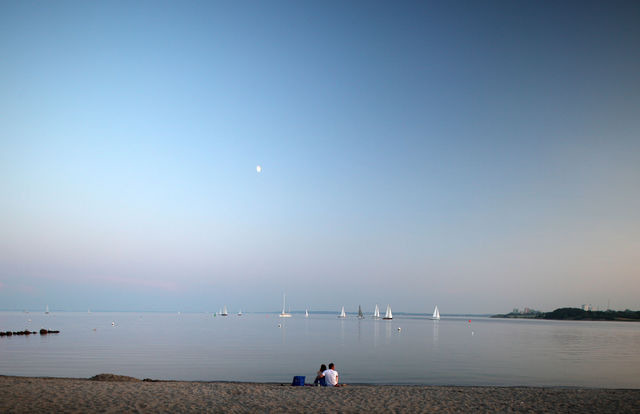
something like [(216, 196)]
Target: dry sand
[(113, 394)]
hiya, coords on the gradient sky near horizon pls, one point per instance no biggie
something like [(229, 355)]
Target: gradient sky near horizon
[(476, 155)]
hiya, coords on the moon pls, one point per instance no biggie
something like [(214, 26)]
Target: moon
[(258, 169)]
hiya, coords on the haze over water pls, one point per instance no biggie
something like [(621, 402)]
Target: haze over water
[(253, 347)]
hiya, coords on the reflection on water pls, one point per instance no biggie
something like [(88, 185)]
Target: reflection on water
[(376, 332), (387, 331), (283, 329), (262, 347), (435, 333)]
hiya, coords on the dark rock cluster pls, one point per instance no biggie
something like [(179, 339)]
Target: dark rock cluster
[(113, 377), (26, 332)]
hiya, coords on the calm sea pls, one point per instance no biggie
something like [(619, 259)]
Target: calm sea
[(266, 348)]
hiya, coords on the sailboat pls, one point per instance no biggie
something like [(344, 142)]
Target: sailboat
[(342, 314), (388, 314), (436, 314), (240, 312), (376, 312), (284, 314), (224, 311), (360, 314), (306, 313), (47, 310)]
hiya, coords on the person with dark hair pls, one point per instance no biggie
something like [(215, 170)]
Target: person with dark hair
[(331, 376), (320, 380)]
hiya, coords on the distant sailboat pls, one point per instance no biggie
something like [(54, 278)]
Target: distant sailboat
[(436, 314), (284, 314), (342, 314), (376, 313), (240, 312), (388, 314), (224, 311), (46, 311), (306, 313), (360, 314)]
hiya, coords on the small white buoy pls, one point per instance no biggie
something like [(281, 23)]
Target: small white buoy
[(258, 169), (113, 324), (399, 329)]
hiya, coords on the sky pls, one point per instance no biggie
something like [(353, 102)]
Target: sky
[(477, 155)]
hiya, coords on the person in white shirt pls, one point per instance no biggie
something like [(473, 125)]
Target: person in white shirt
[(331, 376)]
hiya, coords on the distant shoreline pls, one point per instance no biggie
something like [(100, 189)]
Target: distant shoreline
[(576, 314), (114, 393), (275, 312)]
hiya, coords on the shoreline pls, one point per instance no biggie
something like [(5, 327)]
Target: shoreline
[(113, 393), (124, 378)]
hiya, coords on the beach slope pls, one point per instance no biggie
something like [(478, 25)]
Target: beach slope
[(107, 393)]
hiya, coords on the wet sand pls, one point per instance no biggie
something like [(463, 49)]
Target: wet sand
[(113, 394)]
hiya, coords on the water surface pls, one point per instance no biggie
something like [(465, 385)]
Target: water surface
[(265, 348)]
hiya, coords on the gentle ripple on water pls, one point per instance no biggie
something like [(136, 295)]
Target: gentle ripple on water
[(253, 348)]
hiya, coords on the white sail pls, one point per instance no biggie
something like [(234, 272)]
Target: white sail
[(342, 314), (306, 313), (224, 311), (376, 312), (47, 310), (388, 314), (240, 312), (284, 314), (436, 313)]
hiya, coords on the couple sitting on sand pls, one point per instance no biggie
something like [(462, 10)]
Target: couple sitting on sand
[(327, 377)]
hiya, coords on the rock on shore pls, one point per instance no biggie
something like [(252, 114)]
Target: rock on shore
[(27, 332)]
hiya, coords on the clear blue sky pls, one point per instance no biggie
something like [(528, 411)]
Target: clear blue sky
[(475, 155)]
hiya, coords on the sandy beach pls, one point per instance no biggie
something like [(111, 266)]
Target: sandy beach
[(113, 394)]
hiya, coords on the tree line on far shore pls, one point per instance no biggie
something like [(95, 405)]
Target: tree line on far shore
[(577, 314)]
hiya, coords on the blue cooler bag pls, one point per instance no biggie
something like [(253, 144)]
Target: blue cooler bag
[(298, 380)]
